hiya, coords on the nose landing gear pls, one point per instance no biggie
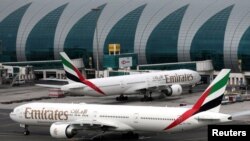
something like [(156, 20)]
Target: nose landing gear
[(26, 130)]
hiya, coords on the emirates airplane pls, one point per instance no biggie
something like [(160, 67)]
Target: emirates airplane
[(166, 82), (65, 120)]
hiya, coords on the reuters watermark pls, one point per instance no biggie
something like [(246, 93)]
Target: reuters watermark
[(241, 132)]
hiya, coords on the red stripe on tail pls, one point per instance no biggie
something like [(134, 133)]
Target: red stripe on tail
[(86, 82), (190, 112)]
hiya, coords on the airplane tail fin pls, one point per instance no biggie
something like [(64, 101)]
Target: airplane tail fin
[(72, 73), (211, 98)]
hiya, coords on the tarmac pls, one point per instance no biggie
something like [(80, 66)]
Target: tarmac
[(12, 97)]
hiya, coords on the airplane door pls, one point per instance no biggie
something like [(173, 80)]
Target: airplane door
[(20, 113), (95, 114), (123, 85), (136, 117), (149, 82)]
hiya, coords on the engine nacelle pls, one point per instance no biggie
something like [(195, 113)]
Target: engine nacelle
[(61, 130), (175, 89)]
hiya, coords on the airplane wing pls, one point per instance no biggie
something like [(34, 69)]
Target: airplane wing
[(54, 79), (145, 87), (49, 86), (136, 89), (99, 125)]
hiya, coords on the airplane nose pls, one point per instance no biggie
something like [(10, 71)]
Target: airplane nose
[(13, 116)]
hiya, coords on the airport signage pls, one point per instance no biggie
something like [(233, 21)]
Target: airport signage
[(125, 62)]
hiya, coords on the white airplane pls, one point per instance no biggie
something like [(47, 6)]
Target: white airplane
[(166, 82), (65, 120)]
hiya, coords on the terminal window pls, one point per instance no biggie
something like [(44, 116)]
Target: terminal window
[(1, 47)]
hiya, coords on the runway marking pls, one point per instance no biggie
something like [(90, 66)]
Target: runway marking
[(8, 134), (201, 138), (10, 124), (19, 135), (143, 138), (5, 118), (5, 114)]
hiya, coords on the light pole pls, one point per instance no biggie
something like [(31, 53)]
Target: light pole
[(97, 42)]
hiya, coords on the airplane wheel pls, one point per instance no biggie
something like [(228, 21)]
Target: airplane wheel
[(121, 98), (117, 98), (26, 133), (145, 99), (150, 99), (190, 91), (136, 136), (125, 98), (130, 135)]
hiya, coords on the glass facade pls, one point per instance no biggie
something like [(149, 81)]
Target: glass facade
[(208, 42), (79, 41), (123, 32), (8, 34), (191, 66), (162, 43), (196, 30), (114, 73), (40, 43), (244, 51), (113, 61)]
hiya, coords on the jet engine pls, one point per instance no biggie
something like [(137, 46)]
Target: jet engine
[(61, 130), (175, 89)]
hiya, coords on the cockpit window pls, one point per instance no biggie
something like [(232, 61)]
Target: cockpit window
[(16, 110)]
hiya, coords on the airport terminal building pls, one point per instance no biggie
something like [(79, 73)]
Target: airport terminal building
[(159, 31)]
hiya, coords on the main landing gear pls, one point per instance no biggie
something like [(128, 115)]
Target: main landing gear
[(147, 96), (190, 89), (121, 98), (130, 135), (26, 130)]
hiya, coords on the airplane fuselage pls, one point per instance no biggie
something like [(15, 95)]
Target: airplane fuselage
[(125, 118), (130, 84), (66, 119)]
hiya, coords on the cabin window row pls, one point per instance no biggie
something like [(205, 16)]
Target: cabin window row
[(108, 116), (79, 115), (152, 118)]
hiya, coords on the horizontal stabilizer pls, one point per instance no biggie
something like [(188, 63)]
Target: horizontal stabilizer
[(49, 86), (54, 79), (208, 118)]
